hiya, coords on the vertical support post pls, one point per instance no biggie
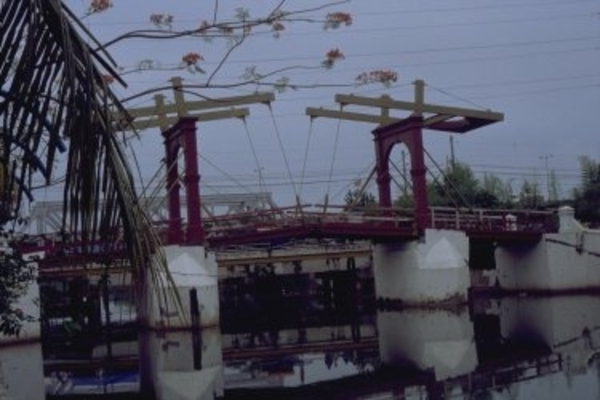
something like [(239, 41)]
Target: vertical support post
[(383, 174), (419, 179), (409, 132), (195, 231), (177, 84), (196, 332), (417, 157), (419, 97), (174, 233), (183, 135)]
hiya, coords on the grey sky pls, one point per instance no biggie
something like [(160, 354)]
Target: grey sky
[(537, 61)]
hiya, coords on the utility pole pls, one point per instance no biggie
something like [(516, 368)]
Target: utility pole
[(452, 159), (548, 183)]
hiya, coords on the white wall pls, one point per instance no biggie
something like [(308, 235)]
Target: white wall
[(560, 261), (29, 303), (522, 266), (417, 272), (191, 267)]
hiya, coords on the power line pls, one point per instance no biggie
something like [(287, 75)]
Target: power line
[(520, 5), (489, 7), (486, 46), (443, 62)]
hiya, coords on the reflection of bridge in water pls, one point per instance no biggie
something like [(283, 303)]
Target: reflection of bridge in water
[(432, 358)]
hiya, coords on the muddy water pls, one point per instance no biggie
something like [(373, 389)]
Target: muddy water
[(520, 347), (324, 338)]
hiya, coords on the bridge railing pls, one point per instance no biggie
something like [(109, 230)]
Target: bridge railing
[(380, 216), (402, 218), (310, 215), (492, 220)]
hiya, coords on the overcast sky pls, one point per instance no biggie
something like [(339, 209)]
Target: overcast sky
[(536, 61)]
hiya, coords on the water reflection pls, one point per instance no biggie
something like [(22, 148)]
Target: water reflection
[(303, 340), (497, 348), (21, 373), (439, 341)]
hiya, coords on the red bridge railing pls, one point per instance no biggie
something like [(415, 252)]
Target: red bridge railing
[(306, 221)]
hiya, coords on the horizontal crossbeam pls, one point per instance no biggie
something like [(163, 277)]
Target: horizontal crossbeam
[(389, 103), (222, 102), (153, 121)]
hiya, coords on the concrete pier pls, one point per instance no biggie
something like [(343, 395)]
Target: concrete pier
[(567, 261), (184, 342), (193, 270), (431, 271)]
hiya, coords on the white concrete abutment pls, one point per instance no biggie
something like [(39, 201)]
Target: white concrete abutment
[(567, 261), (435, 269), (184, 340), (425, 272)]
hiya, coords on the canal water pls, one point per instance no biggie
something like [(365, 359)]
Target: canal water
[(323, 336)]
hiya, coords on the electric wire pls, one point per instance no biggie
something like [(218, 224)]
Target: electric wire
[(333, 157), (261, 184), (455, 97), (228, 175), (283, 152), (306, 151)]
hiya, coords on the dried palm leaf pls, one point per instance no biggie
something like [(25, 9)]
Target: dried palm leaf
[(53, 88)]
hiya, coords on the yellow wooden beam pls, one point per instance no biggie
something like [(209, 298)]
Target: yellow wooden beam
[(165, 122), (350, 116), (224, 102), (387, 102)]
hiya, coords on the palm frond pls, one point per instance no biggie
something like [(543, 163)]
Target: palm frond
[(52, 88)]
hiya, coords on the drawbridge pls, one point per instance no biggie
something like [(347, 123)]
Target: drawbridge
[(224, 223)]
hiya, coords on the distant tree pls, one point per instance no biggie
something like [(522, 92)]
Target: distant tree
[(530, 196), (586, 197), (460, 187), (553, 187), (503, 191), (460, 184), (405, 200), (16, 276), (360, 198)]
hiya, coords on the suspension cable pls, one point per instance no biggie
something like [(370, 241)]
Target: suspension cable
[(335, 144), (459, 98), (441, 185), (261, 183), (361, 173), (162, 181), (462, 198), (407, 183), (285, 159), (310, 131), (137, 165), (159, 182), (363, 186), (237, 182)]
